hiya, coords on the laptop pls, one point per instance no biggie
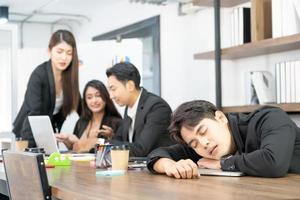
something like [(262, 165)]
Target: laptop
[(218, 172), (43, 133)]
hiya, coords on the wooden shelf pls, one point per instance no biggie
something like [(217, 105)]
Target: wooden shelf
[(261, 47), (287, 107), (224, 3)]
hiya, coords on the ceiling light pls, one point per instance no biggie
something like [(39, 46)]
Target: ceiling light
[(3, 14)]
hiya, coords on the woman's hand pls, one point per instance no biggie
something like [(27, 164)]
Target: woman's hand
[(94, 133), (61, 137), (73, 138), (67, 139), (105, 131), (84, 145)]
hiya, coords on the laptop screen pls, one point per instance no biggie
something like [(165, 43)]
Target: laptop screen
[(43, 133)]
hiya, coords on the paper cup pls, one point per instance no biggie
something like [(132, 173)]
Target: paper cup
[(119, 157)]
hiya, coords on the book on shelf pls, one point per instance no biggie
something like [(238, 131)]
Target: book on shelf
[(297, 81), (264, 84), (285, 17), (250, 93), (246, 28), (287, 81), (278, 86), (240, 26), (293, 82), (282, 83), (276, 18), (297, 7)]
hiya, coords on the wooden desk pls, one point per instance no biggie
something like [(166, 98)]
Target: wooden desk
[(80, 182)]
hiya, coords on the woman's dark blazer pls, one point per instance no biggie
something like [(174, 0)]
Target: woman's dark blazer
[(39, 100), (111, 121)]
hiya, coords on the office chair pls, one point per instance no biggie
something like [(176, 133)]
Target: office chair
[(26, 175)]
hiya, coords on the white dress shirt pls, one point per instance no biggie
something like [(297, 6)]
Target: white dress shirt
[(131, 112)]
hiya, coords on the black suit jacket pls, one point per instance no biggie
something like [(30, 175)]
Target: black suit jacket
[(39, 100), (150, 128)]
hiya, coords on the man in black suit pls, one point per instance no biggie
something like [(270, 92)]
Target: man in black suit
[(263, 143), (146, 116)]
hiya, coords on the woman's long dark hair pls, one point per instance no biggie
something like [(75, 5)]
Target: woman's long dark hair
[(70, 84), (110, 109)]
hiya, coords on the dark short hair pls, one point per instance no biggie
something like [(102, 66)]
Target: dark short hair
[(110, 109), (124, 72), (188, 115)]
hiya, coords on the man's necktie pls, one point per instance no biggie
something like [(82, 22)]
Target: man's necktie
[(127, 127)]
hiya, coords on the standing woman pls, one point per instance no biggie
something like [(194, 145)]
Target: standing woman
[(52, 88), (99, 118)]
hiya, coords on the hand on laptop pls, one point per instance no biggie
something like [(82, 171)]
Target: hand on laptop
[(61, 137), (65, 137), (209, 163)]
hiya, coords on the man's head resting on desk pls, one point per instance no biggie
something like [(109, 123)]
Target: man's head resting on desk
[(204, 128)]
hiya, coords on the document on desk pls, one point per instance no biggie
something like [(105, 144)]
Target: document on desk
[(218, 172), (110, 172), (81, 156)]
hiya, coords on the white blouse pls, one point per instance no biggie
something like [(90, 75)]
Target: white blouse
[(58, 103)]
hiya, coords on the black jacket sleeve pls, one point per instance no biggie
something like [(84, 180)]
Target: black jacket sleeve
[(175, 152), (276, 132), (33, 102)]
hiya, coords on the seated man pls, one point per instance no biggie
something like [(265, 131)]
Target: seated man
[(263, 143), (146, 117)]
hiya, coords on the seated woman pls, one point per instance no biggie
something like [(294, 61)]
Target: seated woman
[(99, 118)]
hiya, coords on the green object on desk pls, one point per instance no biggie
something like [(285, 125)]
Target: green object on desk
[(57, 159)]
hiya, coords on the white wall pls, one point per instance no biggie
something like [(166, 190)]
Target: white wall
[(98, 56), (5, 87), (35, 35), (183, 78), (27, 60), (8, 67)]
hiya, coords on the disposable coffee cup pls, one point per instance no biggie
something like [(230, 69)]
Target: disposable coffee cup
[(119, 157), (21, 144)]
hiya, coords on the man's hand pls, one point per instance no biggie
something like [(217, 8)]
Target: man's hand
[(209, 163), (185, 169)]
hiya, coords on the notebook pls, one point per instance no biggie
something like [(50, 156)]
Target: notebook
[(43, 133), (218, 172)]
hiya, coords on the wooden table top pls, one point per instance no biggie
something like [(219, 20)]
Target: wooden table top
[(79, 181)]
